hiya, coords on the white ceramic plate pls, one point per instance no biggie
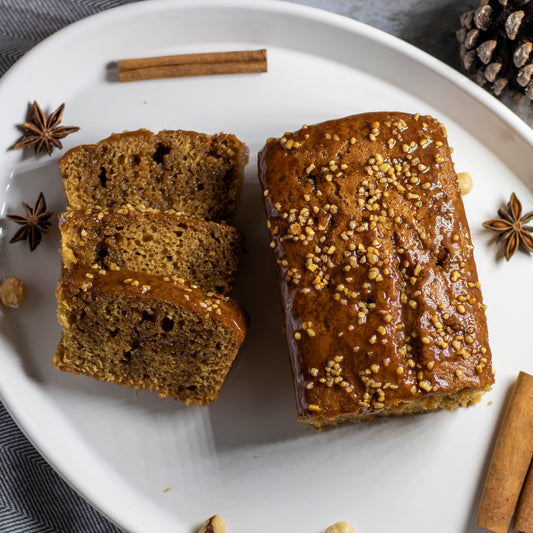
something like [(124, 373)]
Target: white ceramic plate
[(154, 465)]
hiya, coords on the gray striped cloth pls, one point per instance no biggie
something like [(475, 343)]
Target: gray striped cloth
[(33, 498)]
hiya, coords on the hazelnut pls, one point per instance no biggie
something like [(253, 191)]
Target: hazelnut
[(215, 524), (12, 292), (465, 182), (340, 527)]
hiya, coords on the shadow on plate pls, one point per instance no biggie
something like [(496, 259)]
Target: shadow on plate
[(256, 404)]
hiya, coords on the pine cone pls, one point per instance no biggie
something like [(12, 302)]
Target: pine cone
[(496, 46)]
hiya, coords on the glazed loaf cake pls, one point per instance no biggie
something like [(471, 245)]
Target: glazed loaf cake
[(185, 171), (147, 332), (188, 248), (380, 295)]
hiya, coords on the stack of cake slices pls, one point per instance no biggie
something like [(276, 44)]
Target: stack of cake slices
[(147, 265)]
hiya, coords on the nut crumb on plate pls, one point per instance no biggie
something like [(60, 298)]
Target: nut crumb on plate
[(12, 292), (215, 524), (340, 527)]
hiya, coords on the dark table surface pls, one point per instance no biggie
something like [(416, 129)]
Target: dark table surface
[(33, 498)]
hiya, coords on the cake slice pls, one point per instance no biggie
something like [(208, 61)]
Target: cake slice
[(380, 296), (185, 171), (196, 251), (148, 332)]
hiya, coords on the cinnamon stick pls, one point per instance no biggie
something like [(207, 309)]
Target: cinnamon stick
[(185, 65), (510, 459), (524, 513)]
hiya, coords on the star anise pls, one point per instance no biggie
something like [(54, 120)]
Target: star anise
[(512, 227), (33, 224), (41, 130)]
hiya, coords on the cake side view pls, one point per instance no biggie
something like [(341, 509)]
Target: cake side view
[(380, 296)]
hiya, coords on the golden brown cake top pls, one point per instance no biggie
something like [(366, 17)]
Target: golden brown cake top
[(381, 299)]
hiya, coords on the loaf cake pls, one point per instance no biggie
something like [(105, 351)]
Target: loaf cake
[(196, 251), (380, 296), (147, 332), (185, 171)]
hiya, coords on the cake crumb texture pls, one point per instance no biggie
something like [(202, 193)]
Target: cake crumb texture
[(185, 171), (198, 252)]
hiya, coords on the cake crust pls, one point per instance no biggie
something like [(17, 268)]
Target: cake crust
[(380, 295)]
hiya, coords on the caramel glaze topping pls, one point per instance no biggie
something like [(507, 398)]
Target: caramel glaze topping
[(381, 299)]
